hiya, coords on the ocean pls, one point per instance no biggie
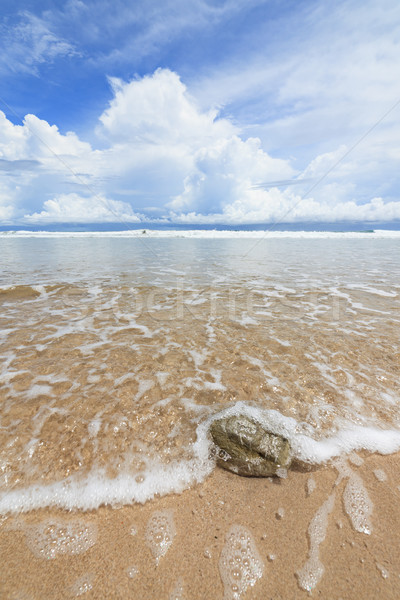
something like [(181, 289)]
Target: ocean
[(118, 350)]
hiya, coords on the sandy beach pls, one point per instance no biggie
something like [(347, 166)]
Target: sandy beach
[(111, 377), (277, 513)]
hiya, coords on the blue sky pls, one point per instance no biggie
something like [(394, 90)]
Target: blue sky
[(234, 111)]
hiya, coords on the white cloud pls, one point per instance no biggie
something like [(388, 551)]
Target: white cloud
[(45, 141), (167, 158), (12, 139), (224, 173), (278, 207), (157, 130), (29, 43), (35, 139), (40, 161), (156, 25), (157, 109), (72, 208), (323, 79), (7, 208)]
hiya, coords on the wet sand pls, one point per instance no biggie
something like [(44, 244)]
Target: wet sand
[(276, 513)]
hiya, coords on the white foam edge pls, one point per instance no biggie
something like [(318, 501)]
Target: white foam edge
[(204, 233), (95, 489), (306, 448)]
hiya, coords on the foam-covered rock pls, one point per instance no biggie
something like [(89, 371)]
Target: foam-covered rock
[(245, 447)]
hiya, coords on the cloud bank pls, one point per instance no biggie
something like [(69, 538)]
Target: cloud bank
[(157, 155)]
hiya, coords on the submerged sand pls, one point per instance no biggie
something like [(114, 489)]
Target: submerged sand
[(122, 559)]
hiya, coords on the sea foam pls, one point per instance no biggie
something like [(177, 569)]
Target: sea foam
[(97, 488), (204, 233)]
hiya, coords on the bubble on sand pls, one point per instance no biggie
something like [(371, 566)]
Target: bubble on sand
[(82, 585), (177, 592), (312, 571), (3, 519), (133, 530), (51, 538), (282, 473), (358, 504), (160, 532), (310, 486), (132, 571), (384, 572), (240, 564), (356, 460), (280, 513), (94, 427), (380, 474)]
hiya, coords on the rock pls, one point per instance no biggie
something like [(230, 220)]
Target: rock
[(246, 448)]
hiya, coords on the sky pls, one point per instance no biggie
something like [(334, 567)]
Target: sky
[(199, 111)]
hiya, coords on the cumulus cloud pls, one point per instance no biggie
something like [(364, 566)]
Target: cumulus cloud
[(224, 172), (276, 207), (7, 207), (158, 109), (45, 141), (37, 161), (208, 163), (68, 208), (170, 159), (37, 140)]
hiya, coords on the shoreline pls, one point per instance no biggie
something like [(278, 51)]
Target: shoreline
[(277, 513), (259, 234)]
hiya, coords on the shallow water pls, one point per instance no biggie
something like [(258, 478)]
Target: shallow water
[(116, 353)]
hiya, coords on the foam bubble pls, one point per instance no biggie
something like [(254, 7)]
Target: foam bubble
[(380, 474), (282, 473), (160, 533), (358, 504), (280, 513), (310, 486), (240, 564), (94, 427), (51, 538), (355, 459), (384, 572), (177, 592), (311, 573), (82, 585), (132, 571)]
